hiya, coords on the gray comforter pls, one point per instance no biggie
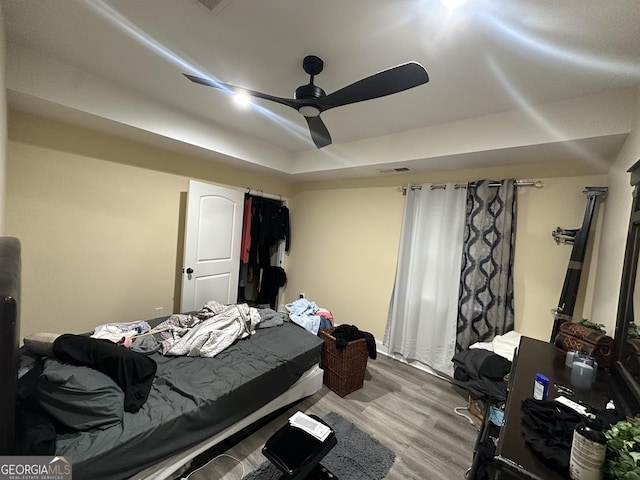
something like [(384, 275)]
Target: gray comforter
[(191, 399)]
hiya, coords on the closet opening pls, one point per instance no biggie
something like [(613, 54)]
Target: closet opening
[(265, 238)]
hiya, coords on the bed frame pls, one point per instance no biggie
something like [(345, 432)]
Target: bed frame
[(9, 329), (174, 466), (307, 385)]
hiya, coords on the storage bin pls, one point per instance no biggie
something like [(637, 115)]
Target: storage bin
[(574, 336), (344, 368)]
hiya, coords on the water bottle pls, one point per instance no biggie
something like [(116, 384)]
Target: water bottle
[(588, 450)]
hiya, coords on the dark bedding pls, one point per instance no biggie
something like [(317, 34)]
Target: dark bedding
[(133, 373), (192, 399)]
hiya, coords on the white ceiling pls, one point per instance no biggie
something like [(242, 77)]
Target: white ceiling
[(511, 81)]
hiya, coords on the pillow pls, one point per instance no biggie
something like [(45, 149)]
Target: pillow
[(133, 372), (41, 343), (79, 397)]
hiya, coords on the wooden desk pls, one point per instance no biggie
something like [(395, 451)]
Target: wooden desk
[(513, 458)]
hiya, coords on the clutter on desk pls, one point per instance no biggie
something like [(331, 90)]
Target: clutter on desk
[(574, 336), (551, 425), (588, 450), (540, 387), (584, 369)]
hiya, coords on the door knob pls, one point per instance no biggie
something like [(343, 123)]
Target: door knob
[(189, 270)]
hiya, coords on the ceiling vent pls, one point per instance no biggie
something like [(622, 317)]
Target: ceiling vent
[(214, 6), (394, 170)]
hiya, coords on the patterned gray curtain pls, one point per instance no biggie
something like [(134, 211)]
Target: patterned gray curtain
[(485, 306)]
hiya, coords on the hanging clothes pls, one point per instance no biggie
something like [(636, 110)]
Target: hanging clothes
[(256, 223), (276, 225), (245, 242), (272, 279), (269, 225), (265, 226)]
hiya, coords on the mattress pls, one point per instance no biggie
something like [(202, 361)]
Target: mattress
[(192, 399)]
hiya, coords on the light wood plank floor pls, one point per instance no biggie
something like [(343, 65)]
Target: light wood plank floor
[(408, 410)]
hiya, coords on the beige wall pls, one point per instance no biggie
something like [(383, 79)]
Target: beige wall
[(345, 245), (540, 263), (615, 225), (344, 251), (100, 223), (99, 237)]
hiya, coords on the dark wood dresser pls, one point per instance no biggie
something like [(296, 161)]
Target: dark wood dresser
[(513, 459)]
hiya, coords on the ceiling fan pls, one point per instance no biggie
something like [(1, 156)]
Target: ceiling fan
[(310, 100)]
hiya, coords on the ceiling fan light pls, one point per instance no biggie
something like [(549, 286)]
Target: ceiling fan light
[(309, 111), (242, 98)]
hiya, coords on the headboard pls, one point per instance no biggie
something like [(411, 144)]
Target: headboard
[(10, 266)]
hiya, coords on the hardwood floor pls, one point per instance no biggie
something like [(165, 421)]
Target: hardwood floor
[(408, 410)]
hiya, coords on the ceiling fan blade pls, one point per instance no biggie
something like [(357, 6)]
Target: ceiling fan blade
[(319, 133), (289, 102), (381, 84)]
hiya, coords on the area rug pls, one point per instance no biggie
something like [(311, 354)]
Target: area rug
[(357, 456)]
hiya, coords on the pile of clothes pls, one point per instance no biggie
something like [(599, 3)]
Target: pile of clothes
[(309, 316), (482, 368), (348, 333), (482, 373), (313, 319)]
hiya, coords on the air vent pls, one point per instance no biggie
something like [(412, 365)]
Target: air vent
[(394, 170), (214, 5)]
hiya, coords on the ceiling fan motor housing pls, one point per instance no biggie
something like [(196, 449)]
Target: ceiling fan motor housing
[(313, 66), (309, 91), (311, 101)]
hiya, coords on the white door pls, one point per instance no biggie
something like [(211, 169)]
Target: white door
[(211, 245)]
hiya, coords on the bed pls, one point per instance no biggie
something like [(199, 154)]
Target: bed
[(193, 404)]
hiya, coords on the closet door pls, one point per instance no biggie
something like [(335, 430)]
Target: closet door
[(212, 245)]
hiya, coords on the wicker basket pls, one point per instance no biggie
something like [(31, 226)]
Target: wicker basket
[(343, 368)]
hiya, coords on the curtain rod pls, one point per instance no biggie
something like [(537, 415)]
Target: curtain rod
[(519, 183), (260, 193)]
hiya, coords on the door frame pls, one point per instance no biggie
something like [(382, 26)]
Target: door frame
[(182, 225), (281, 246)]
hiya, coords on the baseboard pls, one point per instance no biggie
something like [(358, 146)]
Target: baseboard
[(382, 349)]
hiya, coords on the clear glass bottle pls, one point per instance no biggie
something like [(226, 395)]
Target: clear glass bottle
[(588, 450)]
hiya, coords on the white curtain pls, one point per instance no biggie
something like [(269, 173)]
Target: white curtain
[(424, 305)]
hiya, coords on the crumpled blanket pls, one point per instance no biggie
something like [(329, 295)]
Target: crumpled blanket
[(271, 318), (222, 325), (170, 336), (117, 331)]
